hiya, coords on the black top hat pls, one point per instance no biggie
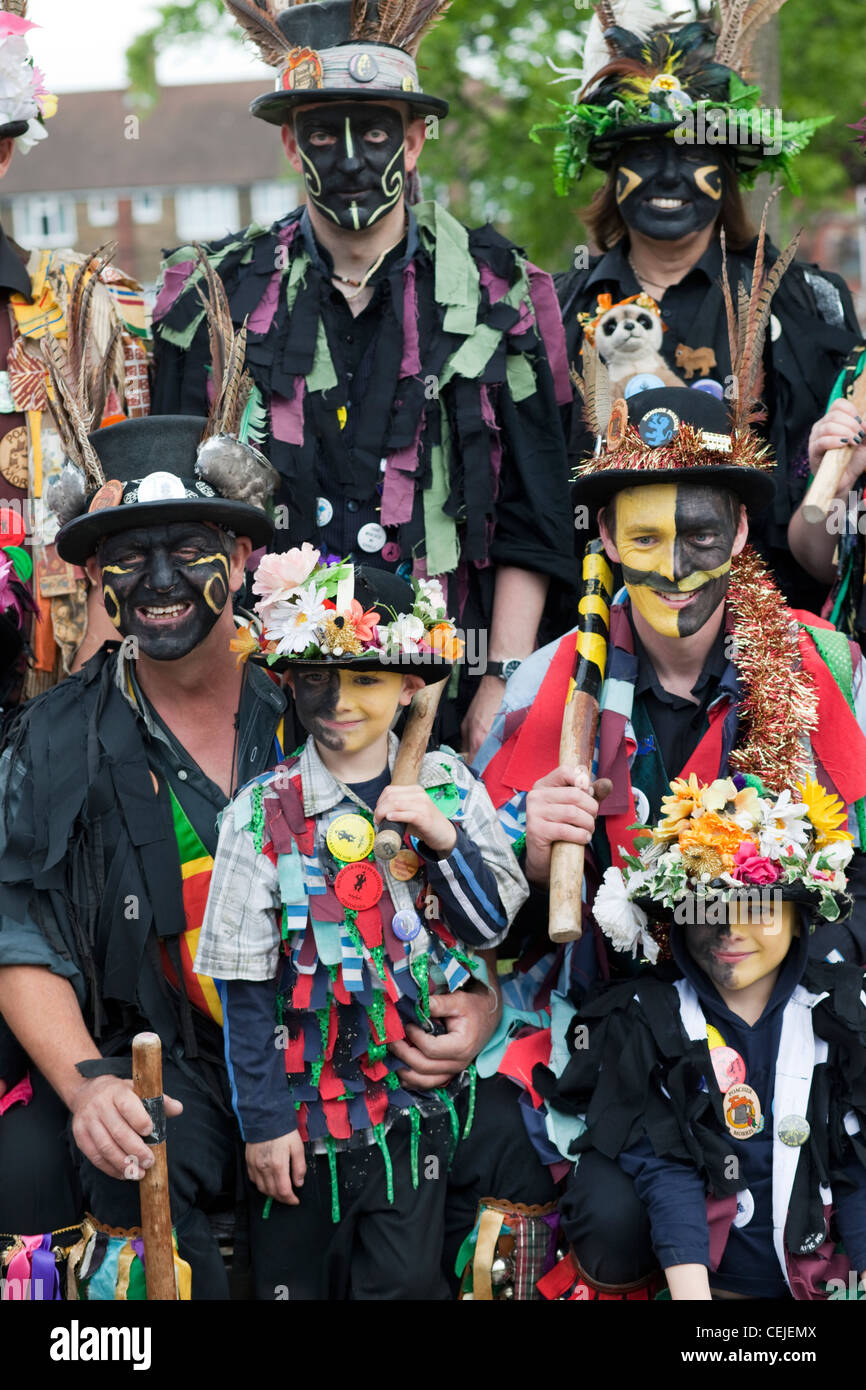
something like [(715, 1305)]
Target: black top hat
[(331, 56), (676, 434), (152, 478)]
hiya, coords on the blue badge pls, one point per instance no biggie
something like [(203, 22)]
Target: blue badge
[(406, 924), (712, 388), (658, 427), (644, 381)]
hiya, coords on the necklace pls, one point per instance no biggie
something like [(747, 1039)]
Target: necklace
[(641, 281), (360, 285)]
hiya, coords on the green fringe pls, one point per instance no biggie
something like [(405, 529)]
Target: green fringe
[(331, 1145), (422, 1005), (257, 822), (376, 1014), (452, 1119), (473, 1086), (415, 1122), (382, 1141)]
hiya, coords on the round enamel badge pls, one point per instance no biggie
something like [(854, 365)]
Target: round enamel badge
[(729, 1067), (743, 1112), (658, 427), (406, 924), (359, 886), (350, 838), (446, 797), (794, 1130), (404, 865)]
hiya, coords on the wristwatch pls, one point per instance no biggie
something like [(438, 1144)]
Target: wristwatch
[(504, 669)]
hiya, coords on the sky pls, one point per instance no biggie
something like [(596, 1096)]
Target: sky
[(80, 46)]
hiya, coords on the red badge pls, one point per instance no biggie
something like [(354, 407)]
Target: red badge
[(109, 495), (359, 886), (617, 424), (729, 1067)]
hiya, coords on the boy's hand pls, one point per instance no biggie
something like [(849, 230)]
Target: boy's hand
[(275, 1164), (422, 818)]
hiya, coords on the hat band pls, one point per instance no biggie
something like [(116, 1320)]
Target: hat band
[(365, 66)]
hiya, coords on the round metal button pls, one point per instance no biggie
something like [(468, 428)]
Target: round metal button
[(324, 511), (406, 924), (794, 1130), (645, 381), (352, 505), (350, 838), (182, 774), (372, 537)]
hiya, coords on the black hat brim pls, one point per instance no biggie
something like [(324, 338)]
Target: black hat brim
[(13, 129), (754, 488), (431, 672), (275, 107), (78, 539)]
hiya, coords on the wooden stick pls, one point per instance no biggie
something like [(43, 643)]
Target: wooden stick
[(413, 746), (155, 1208), (579, 728), (819, 498)]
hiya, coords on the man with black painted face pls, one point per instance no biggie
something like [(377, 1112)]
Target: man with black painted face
[(123, 770), (411, 367), (672, 188)]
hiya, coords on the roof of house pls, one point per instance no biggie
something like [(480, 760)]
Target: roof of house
[(199, 134)]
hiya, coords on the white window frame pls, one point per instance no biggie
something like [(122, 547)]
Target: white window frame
[(206, 213), (271, 200), (147, 207), (45, 221), (102, 210)]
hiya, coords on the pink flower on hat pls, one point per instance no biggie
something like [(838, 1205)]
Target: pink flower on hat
[(752, 867), (278, 575), (11, 25)]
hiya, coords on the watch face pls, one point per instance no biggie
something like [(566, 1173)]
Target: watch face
[(510, 667)]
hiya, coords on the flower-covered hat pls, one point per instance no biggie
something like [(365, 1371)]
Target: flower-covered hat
[(729, 840), (656, 77), (25, 105), (337, 614)]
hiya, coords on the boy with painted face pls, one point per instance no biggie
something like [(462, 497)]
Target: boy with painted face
[(410, 367), (723, 1085), (677, 134), (351, 954)]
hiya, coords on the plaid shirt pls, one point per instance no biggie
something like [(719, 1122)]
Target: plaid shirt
[(240, 936)]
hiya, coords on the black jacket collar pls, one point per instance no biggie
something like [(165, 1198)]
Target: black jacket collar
[(13, 271)]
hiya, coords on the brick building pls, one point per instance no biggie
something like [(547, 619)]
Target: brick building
[(193, 167)]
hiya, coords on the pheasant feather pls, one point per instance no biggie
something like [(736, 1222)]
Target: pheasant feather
[(259, 22)]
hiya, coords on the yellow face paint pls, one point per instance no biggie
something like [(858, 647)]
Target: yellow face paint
[(666, 533), (626, 182), (709, 180), (753, 943), (347, 710)]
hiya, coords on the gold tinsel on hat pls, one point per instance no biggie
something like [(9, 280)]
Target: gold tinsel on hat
[(340, 638), (686, 450), (781, 703)]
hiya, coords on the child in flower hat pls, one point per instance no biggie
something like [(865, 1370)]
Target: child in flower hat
[(326, 956), (730, 1082)]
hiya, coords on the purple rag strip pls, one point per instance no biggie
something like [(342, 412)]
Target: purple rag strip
[(176, 277), (551, 1220), (550, 326), (263, 315), (398, 489), (411, 363), (496, 285), (287, 416), (44, 1279)]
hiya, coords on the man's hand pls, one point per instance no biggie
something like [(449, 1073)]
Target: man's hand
[(561, 806), (840, 428), (481, 714), (431, 1060), (108, 1122), (414, 808), (275, 1164)]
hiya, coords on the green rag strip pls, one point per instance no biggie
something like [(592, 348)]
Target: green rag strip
[(473, 1086), (331, 1145), (266, 1210), (382, 1141), (452, 1119), (422, 1005), (415, 1122), (440, 530), (257, 820), (376, 1014)]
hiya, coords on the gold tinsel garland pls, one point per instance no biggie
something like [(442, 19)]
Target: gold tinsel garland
[(781, 703), (686, 450)]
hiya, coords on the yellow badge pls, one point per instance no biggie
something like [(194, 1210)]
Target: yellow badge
[(350, 838), (404, 865), (714, 1037)]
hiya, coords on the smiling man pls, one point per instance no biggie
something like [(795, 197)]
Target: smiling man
[(677, 132), (408, 369), (112, 784)]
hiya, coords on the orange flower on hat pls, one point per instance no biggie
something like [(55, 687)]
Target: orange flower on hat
[(443, 640), (362, 623), (243, 645), (711, 831)]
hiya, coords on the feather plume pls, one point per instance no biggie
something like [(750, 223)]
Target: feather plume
[(733, 14), (65, 410), (83, 376), (390, 15), (259, 22), (417, 22), (227, 349), (760, 14), (66, 495), (595, 390), (747, 324), (358, 18), (236, 470)]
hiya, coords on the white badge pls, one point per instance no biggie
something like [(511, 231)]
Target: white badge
[(641, 805), (160, 487), (324, 511), (745, 1208), (372, 537), (775, 328)]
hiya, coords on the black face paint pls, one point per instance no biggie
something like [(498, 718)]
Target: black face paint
[(660, 169), (183, 566), (354, 160), (702, 940), (705, 521), (316, 696)]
